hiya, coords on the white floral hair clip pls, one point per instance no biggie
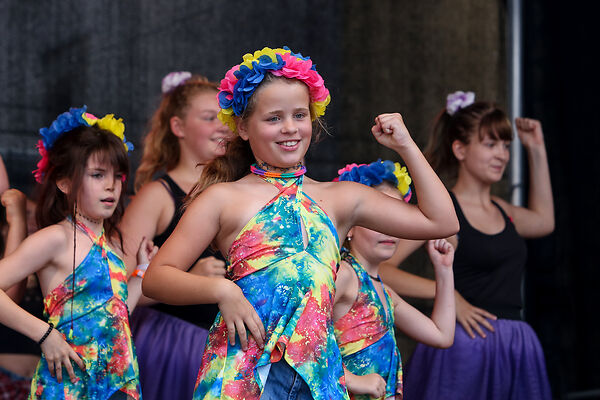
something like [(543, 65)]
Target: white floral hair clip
[(457, 100), (174, 79)]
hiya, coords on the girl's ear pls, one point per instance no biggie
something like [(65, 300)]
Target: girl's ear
[(64, 185), (177, 126), (459, 150), (242, 128)]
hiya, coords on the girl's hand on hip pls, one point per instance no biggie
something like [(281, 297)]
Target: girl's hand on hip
[(239, 315), (390, 131), (371, 384), (59, 354)]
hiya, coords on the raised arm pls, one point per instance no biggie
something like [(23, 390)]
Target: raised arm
[(439, 330), (433, 217), (537, 219)]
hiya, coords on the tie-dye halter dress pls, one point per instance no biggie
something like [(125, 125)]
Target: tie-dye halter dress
[(95, 322), (291, 286), (366, 335)]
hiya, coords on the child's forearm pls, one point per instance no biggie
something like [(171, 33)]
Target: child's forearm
[(20, 320), (444, 307), (433, 197), (170, 285)]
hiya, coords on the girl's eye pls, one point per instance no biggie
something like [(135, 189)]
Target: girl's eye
[(120, 177), (97, 175), (274, 118), (209, 118), (300, 115)]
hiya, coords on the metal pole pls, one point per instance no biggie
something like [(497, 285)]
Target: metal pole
[(515, 94)]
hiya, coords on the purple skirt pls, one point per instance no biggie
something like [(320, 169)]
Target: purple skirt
[(508, 364), (169, 352)]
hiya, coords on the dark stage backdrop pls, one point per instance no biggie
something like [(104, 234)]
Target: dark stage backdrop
[(383, 56)]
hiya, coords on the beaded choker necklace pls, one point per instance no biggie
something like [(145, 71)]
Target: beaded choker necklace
[(93, 221), (376, 278), (270, 174)]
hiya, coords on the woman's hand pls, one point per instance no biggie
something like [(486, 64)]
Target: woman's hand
[(530, 132), (209, 266), (239, 314), (59, 354), (390, 131), (471, 317)]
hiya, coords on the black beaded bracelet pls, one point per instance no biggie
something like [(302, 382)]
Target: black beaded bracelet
[(50, 327)]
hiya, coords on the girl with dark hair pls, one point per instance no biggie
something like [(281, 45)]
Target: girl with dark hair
[(185, 134), (280, 232), (77, 258), (504, 360)]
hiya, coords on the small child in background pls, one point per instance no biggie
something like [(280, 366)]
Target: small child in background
[(365, 310), (77, 258)]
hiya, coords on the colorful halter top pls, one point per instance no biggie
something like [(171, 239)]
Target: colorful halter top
[(291, 287), (95, 322), (366, 335)]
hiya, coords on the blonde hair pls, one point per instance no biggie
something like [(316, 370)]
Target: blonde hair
[(161, 147)]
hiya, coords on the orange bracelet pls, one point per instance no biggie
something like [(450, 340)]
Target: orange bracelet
[(140, 271)]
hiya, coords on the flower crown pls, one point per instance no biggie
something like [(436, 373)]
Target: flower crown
[(458, 100), (375, 173), (174, 79), (241, 81), (68, 121)]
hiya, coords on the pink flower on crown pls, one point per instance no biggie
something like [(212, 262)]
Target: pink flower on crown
[(348, 168)]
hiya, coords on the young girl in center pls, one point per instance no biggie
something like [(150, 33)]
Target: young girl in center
[(365, 310), (77, 258), (280, 233)]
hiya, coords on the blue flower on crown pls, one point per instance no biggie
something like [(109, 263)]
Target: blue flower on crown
[(372, 174), (65, 122), (248, 80)]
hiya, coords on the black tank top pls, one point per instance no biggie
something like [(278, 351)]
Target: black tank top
[(201, 314), (488, 268)]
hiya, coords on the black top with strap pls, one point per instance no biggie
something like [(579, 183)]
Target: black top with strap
[(488, 269), (201, 314)]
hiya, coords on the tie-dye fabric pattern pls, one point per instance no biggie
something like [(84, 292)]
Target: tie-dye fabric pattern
[(366, 335), (292, 289), (95, 322)]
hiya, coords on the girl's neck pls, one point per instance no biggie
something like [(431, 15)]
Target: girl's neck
[(469, 188), (371, 266), (270, 168), (95, 225)]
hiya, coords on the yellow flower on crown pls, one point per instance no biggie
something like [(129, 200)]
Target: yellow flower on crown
[(111, 124), (403, 178)]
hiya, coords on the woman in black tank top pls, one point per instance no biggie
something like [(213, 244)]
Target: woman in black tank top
[(495, 355), (184, 135)]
